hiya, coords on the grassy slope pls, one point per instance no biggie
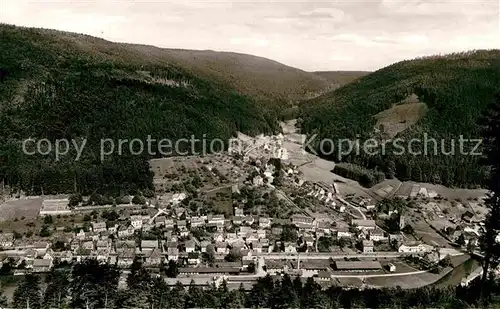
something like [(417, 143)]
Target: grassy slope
[(62, 85), (456, 89)]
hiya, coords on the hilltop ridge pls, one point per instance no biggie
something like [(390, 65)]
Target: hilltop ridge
[(452, 92)]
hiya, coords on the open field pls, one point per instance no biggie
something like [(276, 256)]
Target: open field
[(27, 208), (223, 201), (428, 235), (405, 281), (400, 117), (444, 192)]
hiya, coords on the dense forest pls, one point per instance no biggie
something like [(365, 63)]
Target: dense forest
[(51, 87), (456, 90), (97, 286)]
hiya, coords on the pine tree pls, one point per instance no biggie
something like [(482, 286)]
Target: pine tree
[(194, 297), (160, 294), (27, 294), (285, 296), (312, 293), (172, 270), (489, 243), (140, 285), (178, 296), (57, 289), (261, 293), (96, 286)]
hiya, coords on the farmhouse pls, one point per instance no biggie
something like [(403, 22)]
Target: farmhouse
[(42, 265), (98, 227), (302, 220), (364, 224), (367, 246), (6, 240), (148, 245)]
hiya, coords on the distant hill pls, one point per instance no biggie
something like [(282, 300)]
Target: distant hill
[(60, 85), (340, 78), (258, 77), (255, 76), (441, 96)]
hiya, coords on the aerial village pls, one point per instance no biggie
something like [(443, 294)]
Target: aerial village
[(257, 209)]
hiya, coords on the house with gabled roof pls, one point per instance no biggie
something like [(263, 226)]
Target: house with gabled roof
[(125, 231), (190, 246), (149, 245), (124, 245), (204, 244), (136, 222), (221, 247), (98, 227), (172, 254), (6, 240), (153, 258), (42, 265), (160, 221), (125, 257), (264, 223), (194, 258)]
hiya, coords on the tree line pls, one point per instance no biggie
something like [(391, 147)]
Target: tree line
[(92, 285)]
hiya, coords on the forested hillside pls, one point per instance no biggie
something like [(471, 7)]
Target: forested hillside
[(258, 77), (341, 78), (452, 90), (59, 88)]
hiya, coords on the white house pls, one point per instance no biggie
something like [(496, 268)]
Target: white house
[(197, 221), (290, 247), (136, 222), (98, 227), (367, 246), (258, 181), (148, 245), (264, 222), (6, 240), (125, 231), (173, 254), (239, 211), (216, 219), (377, 235), (415, 248), (178, 197), (218, 237), (364, 224), (221, 247), (341, 233), (257, 247), (190, 246), (301, 219)]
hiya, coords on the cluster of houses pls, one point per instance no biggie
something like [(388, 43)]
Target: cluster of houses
[(118, 243), (270, 146), (174, 239), (327, 194), (369, 233)]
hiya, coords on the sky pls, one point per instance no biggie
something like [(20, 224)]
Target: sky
[(321, 35)]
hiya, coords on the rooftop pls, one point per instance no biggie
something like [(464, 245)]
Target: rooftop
[(355, 265)]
